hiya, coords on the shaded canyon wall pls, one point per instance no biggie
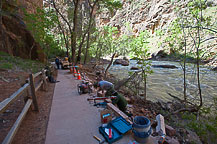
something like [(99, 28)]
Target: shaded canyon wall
[(15, 39)]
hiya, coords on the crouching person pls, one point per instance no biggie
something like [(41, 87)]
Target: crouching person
[(49, 74), (120, 102)]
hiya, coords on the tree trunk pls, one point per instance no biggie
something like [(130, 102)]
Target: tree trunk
[(68, 24), (144, 78), (1, 29), (145, 87), (106, 71), (198, 69), (79, 49), (64, 36), (184, 69), (1, 11), (67, 40), (88, 34), (74, 34)]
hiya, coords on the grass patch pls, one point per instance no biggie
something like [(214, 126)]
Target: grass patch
[(3, 53), (205, 127), (11, 62), (6, 66)]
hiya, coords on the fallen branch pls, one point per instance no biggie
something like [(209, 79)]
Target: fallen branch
[(124, 81), (106, 71), (192, 109), (4, 79), (180, 100)]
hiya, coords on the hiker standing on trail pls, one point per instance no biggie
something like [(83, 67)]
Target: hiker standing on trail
[(57, 61), (105, 85)]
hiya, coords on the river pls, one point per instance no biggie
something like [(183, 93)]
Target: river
[(164, 81)]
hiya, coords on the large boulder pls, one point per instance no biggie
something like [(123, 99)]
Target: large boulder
[(170, 131), (192, 137), (125, 63), (134, 68), (117, 61), (121, 62), (214, 69), (159, 54), (165, 66)]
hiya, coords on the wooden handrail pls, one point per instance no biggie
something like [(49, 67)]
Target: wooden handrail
[(37, 74), (39, 85), (8, 139), (4, 104)]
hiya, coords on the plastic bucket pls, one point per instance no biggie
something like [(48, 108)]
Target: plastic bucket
[(141, 124), (141, 129)]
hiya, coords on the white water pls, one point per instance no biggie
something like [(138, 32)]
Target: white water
[(164, 81)]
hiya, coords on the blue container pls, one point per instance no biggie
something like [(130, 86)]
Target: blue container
[(141, 124), (141, 129), (119, 127), (142, 134)]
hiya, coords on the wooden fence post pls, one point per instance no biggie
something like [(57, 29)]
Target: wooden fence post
[(32, 85), (44, 81)]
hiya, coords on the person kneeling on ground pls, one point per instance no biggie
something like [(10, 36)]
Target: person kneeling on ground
[(120, 102), (105, 85), (49, 75)]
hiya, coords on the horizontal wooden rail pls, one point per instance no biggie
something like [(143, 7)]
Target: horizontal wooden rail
[(33, 100), (38, 86), (4, 104), (37, 74), (8, 139)]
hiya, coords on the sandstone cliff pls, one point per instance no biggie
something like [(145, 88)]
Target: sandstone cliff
[(139, 15), (15, 38)]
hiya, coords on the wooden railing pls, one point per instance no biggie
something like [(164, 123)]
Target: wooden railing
[(29, 99)]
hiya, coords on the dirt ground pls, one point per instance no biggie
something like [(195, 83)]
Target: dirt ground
[(34, 126)]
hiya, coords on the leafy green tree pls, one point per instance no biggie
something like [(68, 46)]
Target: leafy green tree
[(139, 51), (187, 37), (41, 25)]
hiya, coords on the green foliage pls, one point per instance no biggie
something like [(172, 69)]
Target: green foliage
[(205, 127), (139, 50), (173, 39), (6, 66), (3, 54), (42, 26), (105, 43), (111, 5), (11, 62)]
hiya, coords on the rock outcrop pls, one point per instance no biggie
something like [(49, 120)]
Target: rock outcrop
[(134, 68), (122, 62), (165, 66), (140, 15), (15, 39), (159, 54)]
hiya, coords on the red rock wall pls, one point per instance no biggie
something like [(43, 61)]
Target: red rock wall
[(15, 39), (31, 5)]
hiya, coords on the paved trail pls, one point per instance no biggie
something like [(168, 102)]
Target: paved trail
[(72, 119)]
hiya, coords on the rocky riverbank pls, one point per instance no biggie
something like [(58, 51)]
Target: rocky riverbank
[(176, 132)]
